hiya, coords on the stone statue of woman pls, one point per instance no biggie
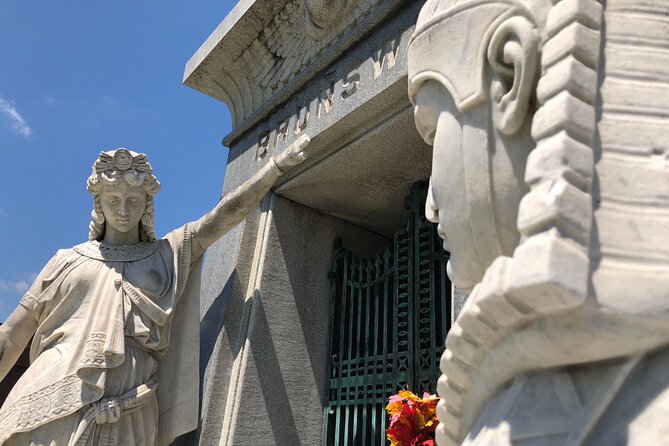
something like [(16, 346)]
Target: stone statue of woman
[(115, 320)]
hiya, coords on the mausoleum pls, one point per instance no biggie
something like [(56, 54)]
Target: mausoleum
[(334, 294), (548, 180)]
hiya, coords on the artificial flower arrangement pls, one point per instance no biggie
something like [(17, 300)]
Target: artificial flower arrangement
[(413, 419)]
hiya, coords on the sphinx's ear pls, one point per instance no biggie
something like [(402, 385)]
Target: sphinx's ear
[(513, 57)]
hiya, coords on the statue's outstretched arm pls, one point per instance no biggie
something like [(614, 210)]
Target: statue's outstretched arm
[(238, 204), (15, 334)]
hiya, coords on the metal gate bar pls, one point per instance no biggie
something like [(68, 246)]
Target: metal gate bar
[(388, 319)]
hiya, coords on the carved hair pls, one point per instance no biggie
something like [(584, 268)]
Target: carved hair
[(100, 178)]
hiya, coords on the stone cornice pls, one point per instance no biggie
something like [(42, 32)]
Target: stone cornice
[(265, 51)]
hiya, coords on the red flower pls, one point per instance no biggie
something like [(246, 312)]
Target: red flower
[(413, 420)]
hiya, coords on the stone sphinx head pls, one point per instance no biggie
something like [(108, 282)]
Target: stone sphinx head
[(123, 185), (549, 184), (473, 70)]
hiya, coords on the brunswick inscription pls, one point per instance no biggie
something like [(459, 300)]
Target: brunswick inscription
[(343, 87)]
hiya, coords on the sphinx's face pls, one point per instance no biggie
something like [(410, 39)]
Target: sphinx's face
[(476, 182), (123, 205), (441, 124)]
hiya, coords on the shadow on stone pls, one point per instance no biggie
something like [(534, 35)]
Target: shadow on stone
[(272, 384)]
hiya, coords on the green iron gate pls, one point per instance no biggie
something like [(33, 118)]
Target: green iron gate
[(388, 317)]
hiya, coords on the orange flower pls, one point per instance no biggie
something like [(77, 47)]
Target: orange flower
[(413, 419)]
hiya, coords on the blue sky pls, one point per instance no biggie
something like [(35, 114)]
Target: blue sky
[(78, 77)]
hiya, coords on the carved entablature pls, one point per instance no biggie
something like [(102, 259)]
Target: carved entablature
[(259, 57)]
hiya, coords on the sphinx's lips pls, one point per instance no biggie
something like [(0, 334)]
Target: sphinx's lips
[(442, 234)]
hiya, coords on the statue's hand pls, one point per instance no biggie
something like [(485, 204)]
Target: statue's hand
[(293, 155)]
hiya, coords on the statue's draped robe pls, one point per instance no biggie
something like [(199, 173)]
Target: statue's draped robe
[(115, 356)]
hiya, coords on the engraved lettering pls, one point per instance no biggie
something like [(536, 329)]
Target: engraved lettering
[(386, 57), (302, 119), (326, 98), (282, 131), (351, 82), (314, 105), (263, 145)]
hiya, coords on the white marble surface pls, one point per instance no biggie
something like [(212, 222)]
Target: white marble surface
[(548, 167), (116, 319)]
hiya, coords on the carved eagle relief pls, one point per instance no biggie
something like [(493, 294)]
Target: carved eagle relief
[(297, 35)]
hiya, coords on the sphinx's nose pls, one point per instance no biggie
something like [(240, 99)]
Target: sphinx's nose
[(431, 210)]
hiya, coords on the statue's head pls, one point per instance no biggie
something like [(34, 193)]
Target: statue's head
[(123, 186), (473, 70)]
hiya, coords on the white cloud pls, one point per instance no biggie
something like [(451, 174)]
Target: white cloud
[(18, 123), (18, 286), (109, 102)]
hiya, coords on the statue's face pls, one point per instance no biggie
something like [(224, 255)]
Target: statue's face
[(440, 123), (123, 205), (472, 94), (476, 182)]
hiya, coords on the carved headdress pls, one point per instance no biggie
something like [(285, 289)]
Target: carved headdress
[(467, 26), (122, 165), (122, 160), (549, 271)]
